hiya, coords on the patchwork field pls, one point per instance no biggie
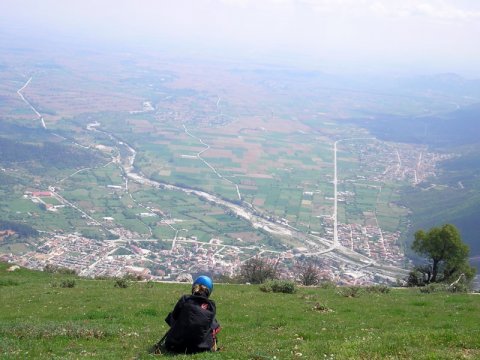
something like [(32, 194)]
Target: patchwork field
[(275, 143)]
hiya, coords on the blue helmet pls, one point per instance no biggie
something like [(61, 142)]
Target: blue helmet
[(205, 281)]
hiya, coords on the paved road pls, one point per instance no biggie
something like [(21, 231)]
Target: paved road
[(19, 92), (274, 226)]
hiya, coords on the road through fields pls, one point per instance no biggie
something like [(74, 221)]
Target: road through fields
[(19, 92), (315, 245)]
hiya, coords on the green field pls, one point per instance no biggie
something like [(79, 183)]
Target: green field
[(42, 320), (272, 135)]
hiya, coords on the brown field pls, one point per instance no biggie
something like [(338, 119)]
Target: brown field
[(142, 125), (261, 124), (68, 99), (260, 176), (258, 202), (216, 152)]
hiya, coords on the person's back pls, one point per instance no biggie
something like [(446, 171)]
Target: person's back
[(193, 326)]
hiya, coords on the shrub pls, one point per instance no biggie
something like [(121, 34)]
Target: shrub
[(52, 269), (133, 277), (433, 288), (327, 284), (321, 308), (283, 286), (49, 268), (68, 283), (121, 283), (442, 287), (378, 289), (266, 287), (278, 286), (414, 278), (350, 291), (66, 271), (459, 288)]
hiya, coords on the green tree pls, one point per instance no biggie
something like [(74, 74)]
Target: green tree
[(447, 254)]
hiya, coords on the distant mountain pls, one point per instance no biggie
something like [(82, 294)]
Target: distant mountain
[(447, 83), (456, 131), (457, 128)]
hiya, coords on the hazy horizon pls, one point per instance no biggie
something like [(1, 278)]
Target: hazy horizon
[(365, 36)]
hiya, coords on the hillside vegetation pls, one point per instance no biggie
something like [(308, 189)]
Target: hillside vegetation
[(46, 154), (43, 318)]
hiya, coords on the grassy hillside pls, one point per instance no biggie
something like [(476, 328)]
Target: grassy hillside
[(96, 320)]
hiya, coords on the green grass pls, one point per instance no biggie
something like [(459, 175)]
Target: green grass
[(94, 319)]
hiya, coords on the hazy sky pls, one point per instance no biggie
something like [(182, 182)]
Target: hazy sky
[(436, 35)]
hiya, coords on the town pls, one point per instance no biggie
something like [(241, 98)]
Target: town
[(169, 259)]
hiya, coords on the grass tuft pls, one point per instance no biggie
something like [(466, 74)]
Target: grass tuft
[(377, 289), (321, 308), (148, 312), (51, 330), (8, 282), (350, 291)]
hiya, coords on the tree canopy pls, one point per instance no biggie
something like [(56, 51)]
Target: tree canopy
[(22, 230), (445, 251)]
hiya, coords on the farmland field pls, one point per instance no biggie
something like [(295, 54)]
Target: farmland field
[(163, 152)]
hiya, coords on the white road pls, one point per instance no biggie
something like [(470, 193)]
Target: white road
[(257, 220), (19, 92), (199, 156), (399, 160), (334, 250)]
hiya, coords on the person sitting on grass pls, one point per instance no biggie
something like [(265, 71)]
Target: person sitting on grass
[(193, 326)]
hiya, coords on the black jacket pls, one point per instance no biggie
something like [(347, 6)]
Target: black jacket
[(192, 325)]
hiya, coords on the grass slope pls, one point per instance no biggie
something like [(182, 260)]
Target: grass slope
[(96, 320)]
